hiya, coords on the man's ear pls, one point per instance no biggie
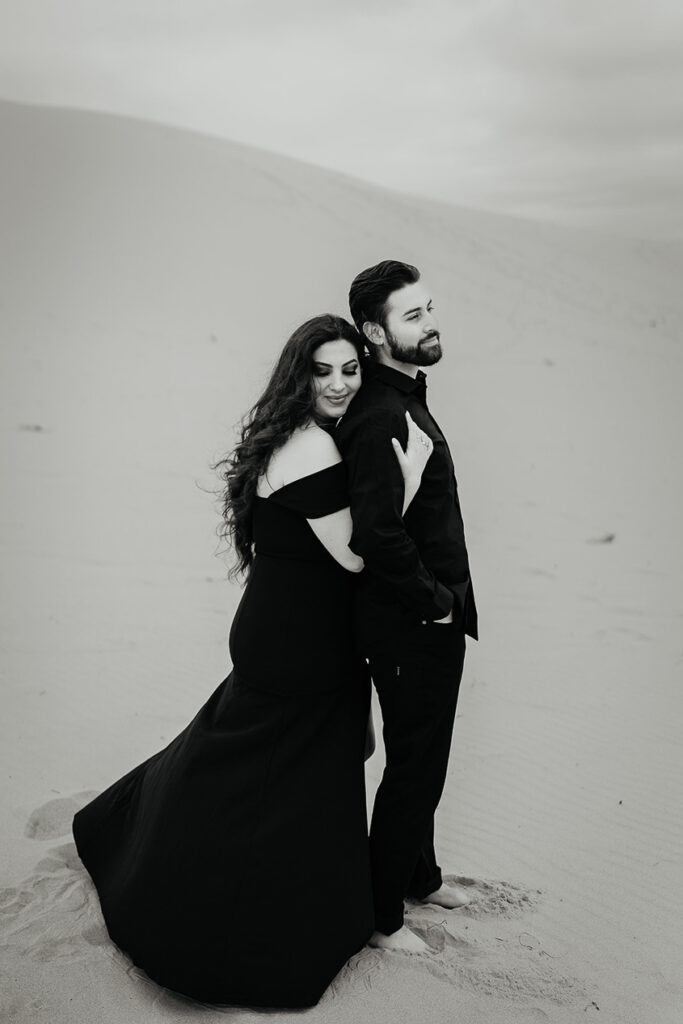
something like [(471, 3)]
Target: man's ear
[(373, 332)]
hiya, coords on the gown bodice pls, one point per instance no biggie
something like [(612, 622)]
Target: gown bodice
[(279, 521), (296, 610)]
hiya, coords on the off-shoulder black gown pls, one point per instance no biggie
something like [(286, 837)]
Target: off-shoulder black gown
[(233, 865)]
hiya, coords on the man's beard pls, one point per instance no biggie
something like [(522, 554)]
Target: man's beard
[(421, 354)]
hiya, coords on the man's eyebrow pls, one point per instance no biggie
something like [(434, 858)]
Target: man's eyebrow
[(417, 309), (329, 365)]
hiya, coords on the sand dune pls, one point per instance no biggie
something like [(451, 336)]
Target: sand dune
[(148, 276)]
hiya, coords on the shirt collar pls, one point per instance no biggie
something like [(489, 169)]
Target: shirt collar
[(399, 380)]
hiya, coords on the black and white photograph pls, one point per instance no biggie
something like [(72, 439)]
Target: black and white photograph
[(341, 616)]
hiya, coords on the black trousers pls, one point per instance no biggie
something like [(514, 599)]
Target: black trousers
[(417, 683)]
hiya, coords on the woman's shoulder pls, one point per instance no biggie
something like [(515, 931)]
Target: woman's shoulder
[(307, 451)]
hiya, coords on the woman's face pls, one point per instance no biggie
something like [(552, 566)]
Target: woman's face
[(336, 377)]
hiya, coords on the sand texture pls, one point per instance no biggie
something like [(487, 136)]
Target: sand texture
[(148, 277)]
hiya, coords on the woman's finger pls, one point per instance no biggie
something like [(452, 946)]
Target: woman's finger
[(413, 429), (400, 454)]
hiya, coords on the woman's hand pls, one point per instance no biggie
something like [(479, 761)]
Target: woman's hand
[(413, 461)]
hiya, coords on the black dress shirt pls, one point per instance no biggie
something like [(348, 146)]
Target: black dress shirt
[(416, 566)]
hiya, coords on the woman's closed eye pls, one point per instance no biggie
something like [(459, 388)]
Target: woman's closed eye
[(326, 373)]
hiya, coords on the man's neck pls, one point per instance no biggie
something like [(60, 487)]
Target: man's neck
[(410, 369)]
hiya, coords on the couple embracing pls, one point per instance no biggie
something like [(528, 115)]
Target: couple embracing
[(234, 865)]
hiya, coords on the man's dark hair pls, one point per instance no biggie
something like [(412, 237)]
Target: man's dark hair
[(372, 287)]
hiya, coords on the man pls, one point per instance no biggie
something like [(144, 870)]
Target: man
[(415, 602)]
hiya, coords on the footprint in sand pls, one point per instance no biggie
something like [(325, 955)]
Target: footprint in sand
[(504, 968), (53, 819), (486, 948), (54, 914), (482, 946), (500, 898), (362, 969)]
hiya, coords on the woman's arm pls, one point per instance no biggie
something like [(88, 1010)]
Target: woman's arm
[(334, 533), (334, 530), (315, 450)]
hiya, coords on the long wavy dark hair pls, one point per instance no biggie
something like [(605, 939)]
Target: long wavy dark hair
[(286, 403)]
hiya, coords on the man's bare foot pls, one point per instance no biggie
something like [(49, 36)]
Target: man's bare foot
[(403, 940), (449, 896)]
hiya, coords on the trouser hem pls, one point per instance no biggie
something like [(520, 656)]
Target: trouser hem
[(434, 883), (388, 924)]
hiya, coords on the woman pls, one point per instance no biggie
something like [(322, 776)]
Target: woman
[(233, 865)]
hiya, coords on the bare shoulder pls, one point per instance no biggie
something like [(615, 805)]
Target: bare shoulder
[(316, 443), (307, 451)]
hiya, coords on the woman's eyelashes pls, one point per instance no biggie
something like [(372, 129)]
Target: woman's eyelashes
[(326, 373)]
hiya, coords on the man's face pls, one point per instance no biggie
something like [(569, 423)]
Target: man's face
[(410, 326)]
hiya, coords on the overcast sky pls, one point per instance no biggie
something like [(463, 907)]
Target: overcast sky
[(566, 109)]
